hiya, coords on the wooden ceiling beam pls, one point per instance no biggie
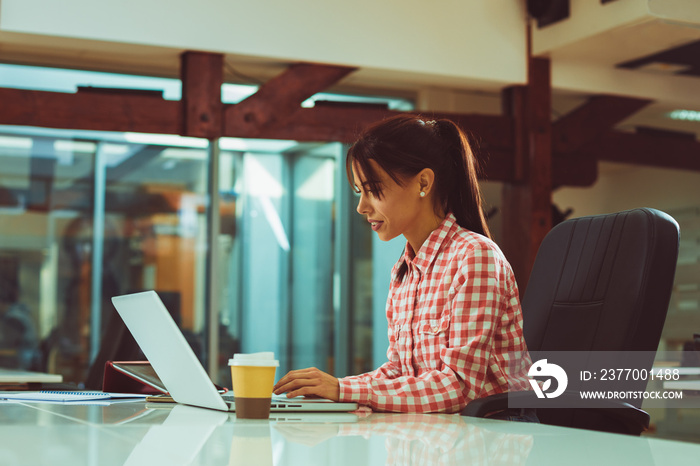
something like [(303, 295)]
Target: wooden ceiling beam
[(110, 110), (492, 135), (592, 120), (344, 124), (97, 110), (580, 139), (148, 112), (280, 97), (319, 123), (656, 150)]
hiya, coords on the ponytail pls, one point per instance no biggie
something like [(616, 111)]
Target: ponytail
[(463, 194)]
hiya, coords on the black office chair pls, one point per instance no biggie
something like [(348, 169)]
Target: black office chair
[(599, 283)]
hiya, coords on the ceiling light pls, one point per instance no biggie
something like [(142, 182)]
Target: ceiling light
[(684, 115)]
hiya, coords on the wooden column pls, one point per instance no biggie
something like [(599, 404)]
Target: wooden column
[(202, 75), (527, 199)]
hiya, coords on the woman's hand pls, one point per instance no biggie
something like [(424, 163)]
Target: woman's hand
[(309, 382)]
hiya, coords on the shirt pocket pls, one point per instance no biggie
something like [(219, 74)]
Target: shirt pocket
[(431, 337), (435, 326)]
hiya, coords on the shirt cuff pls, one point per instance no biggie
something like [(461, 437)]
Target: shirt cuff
[(354, 389)]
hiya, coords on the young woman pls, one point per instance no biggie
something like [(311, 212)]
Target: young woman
[(455, 324)]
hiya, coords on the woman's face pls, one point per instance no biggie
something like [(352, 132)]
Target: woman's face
[(399, 210)]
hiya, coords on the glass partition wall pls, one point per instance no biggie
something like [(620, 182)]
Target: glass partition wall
[(281, 263), (85, 216), (277, 254)]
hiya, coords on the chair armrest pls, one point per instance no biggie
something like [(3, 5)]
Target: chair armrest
[(627, 418), (634, 420), (489, 404)]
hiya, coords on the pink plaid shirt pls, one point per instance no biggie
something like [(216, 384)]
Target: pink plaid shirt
[(455, 329)]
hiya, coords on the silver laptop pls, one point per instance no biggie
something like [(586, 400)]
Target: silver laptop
[(172, 358)]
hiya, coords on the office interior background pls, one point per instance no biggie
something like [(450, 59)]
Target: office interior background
[(86, 215)]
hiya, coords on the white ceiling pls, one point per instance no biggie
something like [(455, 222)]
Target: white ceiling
[(586, 48)]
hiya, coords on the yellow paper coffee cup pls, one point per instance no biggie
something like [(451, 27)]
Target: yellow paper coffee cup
[(253, 377)]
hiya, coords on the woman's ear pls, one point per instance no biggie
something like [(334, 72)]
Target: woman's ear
[(426, 179)]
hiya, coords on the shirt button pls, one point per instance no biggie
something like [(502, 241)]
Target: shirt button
[(435, 329)]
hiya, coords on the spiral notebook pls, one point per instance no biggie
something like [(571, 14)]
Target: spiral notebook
[(65, 396)]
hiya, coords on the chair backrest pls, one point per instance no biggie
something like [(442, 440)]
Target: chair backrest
[(602, 283)]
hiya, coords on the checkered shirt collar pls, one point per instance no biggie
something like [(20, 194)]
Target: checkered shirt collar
[(431, 247)]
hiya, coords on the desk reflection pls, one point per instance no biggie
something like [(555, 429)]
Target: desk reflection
[(179, 439), (139, 434), (422, 439), (251, 443)]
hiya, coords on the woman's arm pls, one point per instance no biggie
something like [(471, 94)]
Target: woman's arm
[(314, 382)]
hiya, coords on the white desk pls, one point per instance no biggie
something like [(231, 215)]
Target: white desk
[(136, 433)]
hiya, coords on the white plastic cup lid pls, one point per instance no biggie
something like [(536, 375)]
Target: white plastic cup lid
[(264, 359)]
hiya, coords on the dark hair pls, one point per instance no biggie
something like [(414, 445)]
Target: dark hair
[(405, 144)]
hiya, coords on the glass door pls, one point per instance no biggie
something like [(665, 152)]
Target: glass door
[(277, 255)]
